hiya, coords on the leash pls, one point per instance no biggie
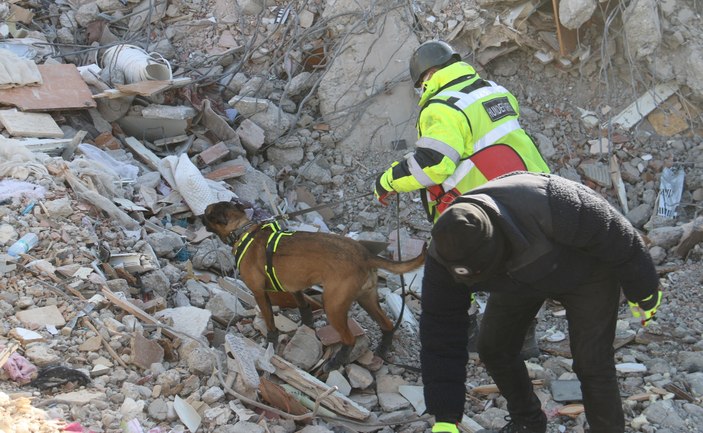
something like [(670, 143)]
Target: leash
[(289, 215), (402, 287)]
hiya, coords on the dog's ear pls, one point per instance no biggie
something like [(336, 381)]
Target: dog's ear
[(215, 214)]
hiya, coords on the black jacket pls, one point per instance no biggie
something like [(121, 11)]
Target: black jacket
[(559, 234)]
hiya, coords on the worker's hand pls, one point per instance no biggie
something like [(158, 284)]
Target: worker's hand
[(444, 427), (647, 307), (382, 189)]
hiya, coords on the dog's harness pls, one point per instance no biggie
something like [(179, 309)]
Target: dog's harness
[(240, 248)]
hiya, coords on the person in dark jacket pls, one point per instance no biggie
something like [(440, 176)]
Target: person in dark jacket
[(524, 238)]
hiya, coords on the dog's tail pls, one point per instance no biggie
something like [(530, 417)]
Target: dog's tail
[(401, 266)]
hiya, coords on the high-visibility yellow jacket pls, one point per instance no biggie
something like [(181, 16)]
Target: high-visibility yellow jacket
[(468, 134)]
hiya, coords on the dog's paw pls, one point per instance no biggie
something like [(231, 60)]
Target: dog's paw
[(332, 364), (272, 337), (306, 316), (339, 359), (385, 344)]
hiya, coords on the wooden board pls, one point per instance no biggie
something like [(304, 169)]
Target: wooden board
[(62, 89), (567, 38), (39, 125)]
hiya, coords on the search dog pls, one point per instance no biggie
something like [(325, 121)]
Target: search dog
[(345, 269)]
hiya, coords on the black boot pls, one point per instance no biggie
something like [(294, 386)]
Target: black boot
[(529, 345), (473, 333)]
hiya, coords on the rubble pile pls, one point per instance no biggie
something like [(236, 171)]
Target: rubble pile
[(123, 119)]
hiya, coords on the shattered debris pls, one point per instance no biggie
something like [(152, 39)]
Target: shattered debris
[(121, 121)]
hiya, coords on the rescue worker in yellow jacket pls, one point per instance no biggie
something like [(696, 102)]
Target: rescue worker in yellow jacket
[(468, 133)]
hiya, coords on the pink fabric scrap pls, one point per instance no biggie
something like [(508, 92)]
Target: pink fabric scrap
[(19, 368)]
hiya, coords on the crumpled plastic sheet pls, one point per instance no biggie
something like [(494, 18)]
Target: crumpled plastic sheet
[(104, 160), (197, 191), (98, 200), (10, 188), (19, 368), (19, 162)]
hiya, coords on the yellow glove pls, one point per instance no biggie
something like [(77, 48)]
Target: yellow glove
[(647, 307), (444, 427)]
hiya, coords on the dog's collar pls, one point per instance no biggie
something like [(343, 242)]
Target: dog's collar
[(235, 234)]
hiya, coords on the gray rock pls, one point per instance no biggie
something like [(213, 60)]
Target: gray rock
[(300, 84), (359, 377), (545, 145), (157, 281), (284, 157), (197, 293), (367, 401), (246, 427), (224, 306), (158, 409), (691, 362), (665, 237), (87, 13), (213, 394), (642, 27), (200, 361), (315, 429), (639, 215), (392, 401), (315, 173), (335, 378), (304, 349), (574, 13), (165, 243), (250, 186), (695, 381), (664, 413), (257, 87), (658, 255)]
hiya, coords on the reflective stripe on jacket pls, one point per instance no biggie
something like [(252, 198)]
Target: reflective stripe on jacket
[(462, 117)]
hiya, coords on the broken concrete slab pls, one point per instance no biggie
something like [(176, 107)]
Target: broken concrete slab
[(20, 124), (251, 135), (382, 112), (192, 321), (42, 316)]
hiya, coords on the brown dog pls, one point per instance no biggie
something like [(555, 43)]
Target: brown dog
[(345, 269)]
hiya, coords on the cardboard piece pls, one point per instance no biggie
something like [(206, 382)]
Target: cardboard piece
[(62, 89)]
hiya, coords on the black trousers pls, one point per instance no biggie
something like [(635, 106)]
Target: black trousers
[(591, 311)]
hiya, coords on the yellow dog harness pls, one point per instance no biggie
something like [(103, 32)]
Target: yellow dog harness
[(274, 238)]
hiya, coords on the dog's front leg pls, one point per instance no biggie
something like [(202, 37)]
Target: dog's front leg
[(264, 302), (304, 308)]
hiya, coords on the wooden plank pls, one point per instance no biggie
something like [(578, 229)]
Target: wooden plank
[(39, 125), (144, 154), (136, 311), (644, 105), (62, 89), (151, 87), (567, 38), (313, 387)]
